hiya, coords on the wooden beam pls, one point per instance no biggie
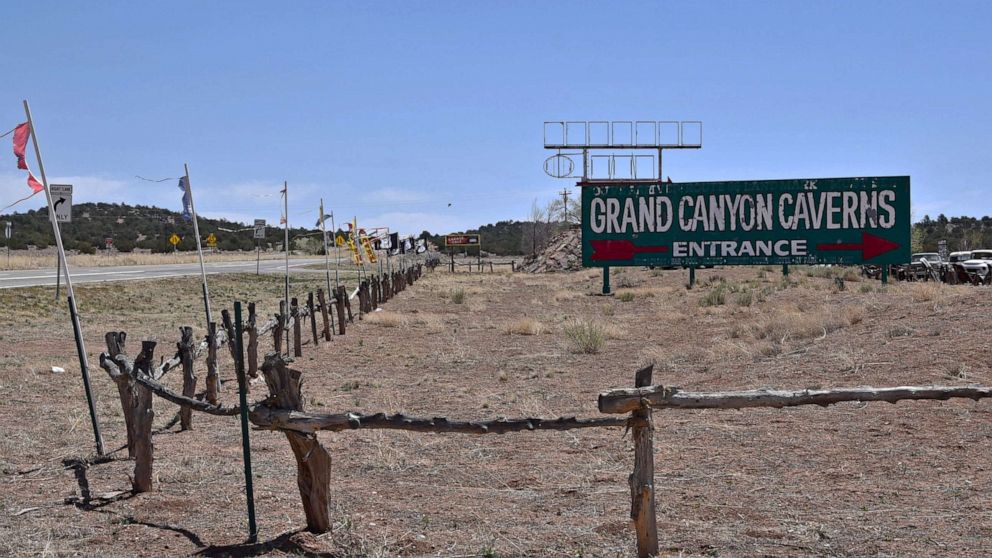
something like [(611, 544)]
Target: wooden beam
[(276, 419), (661, 397)]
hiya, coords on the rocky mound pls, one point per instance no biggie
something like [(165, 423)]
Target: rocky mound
[(563, 253)]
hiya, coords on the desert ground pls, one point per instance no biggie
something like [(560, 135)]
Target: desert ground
[(850, 480)]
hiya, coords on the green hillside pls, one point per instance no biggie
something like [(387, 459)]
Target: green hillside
[(131, 227)]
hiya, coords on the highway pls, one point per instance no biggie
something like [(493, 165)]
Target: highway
[(81, 275)]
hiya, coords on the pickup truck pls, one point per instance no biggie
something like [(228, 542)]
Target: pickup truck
[(979, 264)]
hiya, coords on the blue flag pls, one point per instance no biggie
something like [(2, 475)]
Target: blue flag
[(187, 201)]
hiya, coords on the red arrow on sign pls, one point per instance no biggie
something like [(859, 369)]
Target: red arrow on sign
[(871, 246), (620, 249)]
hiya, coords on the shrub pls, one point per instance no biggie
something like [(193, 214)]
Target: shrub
[(585, 336), (525, 326), (458, 296), (626, 296), (716, 297), (745, 298)]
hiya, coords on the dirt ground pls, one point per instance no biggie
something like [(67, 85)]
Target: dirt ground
[(851, 480)]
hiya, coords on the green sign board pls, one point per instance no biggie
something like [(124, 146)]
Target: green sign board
[(802, 221)]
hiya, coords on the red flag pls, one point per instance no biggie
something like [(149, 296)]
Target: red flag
[(34, 184), (21, 133)]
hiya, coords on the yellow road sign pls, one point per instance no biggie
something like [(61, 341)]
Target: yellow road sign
[(211, 240), (174, 239), (339, 240)]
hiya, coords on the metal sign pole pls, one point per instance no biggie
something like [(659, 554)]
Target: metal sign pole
[(199, 249), (74, 315), (327, 257), (337, 253), (285, 197), (245, 441), (58, 275)]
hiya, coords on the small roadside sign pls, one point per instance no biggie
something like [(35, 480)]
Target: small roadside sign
[(462, 240), (174, 239), (108, 242), (212, 241), (6, 229), (259, 229), (62, 201)]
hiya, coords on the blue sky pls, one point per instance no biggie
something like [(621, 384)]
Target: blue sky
[(393, 110)]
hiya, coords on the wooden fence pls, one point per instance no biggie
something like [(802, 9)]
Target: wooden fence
[(283, 410)]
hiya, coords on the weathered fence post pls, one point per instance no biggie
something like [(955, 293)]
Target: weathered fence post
[(185, 347), (642, 494), (295, 315), (343, 297), (279, 330), (323, 312), (225, 320), (313, 463), (364, 302), (375, 293), (252, 342), (339, 308), (142, 416), (125, 385), (213, 381), (313, 317), (136, 403)]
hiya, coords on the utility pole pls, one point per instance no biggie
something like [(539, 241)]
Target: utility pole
[(564, 205)]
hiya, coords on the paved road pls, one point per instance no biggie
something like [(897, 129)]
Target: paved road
[(80, 275)]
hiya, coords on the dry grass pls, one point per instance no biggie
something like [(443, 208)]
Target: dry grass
[(46, 259), (525, 326), (386, 318), (925, 292), (408, 494), (791, 323)]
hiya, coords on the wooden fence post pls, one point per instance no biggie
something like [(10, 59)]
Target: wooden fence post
[(213, 382), (343, 298), (125, 384), (143, 415), (642, 493), (278, 331), (323, 312), (313, 317), (339, 308), (295, 314), (185, 347), (375, 293), (252, 342), (313, 463), (228, 324)]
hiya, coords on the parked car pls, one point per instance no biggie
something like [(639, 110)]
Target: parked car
[(959, 257), (924, 265), (980, 264)]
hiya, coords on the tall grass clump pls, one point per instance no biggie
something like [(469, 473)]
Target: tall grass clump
[(585, 336), (715, 297), (458, 296)]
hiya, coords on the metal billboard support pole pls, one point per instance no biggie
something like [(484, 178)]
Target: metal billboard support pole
[(73, 313)]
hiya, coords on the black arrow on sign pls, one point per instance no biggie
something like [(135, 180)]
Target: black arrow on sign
[(56, 204)]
